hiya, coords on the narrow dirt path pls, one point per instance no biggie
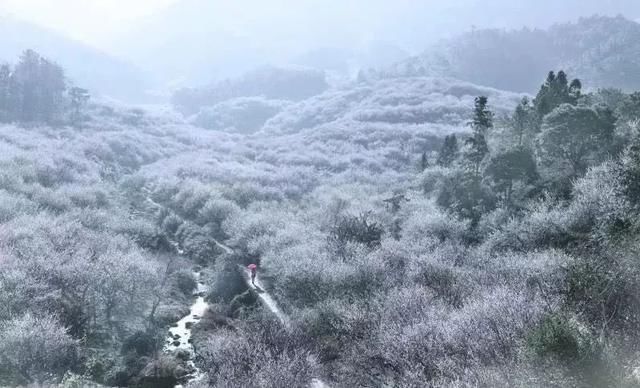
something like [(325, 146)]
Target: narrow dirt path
[(223, 247), (268, 301)]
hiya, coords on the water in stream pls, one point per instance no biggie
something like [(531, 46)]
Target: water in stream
[(180, 335)]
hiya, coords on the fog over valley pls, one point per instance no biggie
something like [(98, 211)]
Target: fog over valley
[(162, 45), (209, 193)]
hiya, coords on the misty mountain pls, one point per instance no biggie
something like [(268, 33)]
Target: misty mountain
[(603, 50), (342, 61), (291, 84), (85, 66), (194, 42)]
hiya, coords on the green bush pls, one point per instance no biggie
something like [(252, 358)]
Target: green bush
[(185, 282), (358, 229), (444, 282), (162, 372), (465, 195), (243, 302), (97, 364), (564, 338), (142, 343), (170, 224), (604, 287)]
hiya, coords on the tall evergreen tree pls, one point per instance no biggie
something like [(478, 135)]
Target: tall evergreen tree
[(477, 144), (424, 161), (543, 101), (465, 193), (26, 77), (523, 121), (448, 152), (5, 98), (52, 87), (79, 98), (561, 84), (631, 171), (556, 91), (575, 89)]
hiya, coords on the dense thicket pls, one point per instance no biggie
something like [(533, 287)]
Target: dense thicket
[(508, 258)]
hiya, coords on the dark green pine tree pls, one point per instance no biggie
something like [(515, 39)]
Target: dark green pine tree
[(51, 90), (79, 99), (556, 91), (477, 144), (575, 90), (561, 85), (424, 161), (543, 101), (523, 120), (448, 152), (631, 171), (5, 83), (25, 87)]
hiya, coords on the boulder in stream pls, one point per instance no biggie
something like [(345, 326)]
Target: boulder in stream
[(160, 373), (182, 354)]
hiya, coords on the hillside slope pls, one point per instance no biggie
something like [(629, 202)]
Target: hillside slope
[(412, 101), (435, 105), (603, 50)]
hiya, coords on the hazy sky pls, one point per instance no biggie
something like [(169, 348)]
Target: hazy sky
[(177, 39), (91, 21), (99, 22)]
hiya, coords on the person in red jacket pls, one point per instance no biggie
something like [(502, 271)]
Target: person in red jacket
[(254, 270)]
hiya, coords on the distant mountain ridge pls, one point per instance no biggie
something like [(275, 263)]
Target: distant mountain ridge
[(278, 83), (85, 66), (605, 51), (344, 61)]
